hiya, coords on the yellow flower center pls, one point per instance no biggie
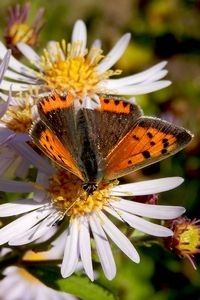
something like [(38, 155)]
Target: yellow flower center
[(69, 196), (66, 70), (20, 32), (18, 116)]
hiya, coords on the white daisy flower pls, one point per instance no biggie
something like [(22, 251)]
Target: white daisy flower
[(18, 283), (17, 115), (59, 196), (72, 68)]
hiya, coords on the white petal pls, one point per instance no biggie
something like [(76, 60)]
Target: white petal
[(89, 103), (33, 157), (147, 187), (29, 53), (146, 226), (22, 168), (103, 247), (4, 64), (162, 212), (157, 76), (119, 238), (20, 225), (34, 233), (19, 77), (16, 87), (71, 253), (16, 186), (113, 56), (19, 207), (140, 89), (14, 64), (55, 51), (85, 248), (79, 34), (137, 78), (96, 44), (4, 106)]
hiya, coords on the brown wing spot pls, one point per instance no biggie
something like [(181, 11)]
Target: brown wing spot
[(152, 143), (166, 145), (135, 137), (165, 140), (164, 151), (116, 102), (106, 101), (149, 134), (146, 154), (129, 162)]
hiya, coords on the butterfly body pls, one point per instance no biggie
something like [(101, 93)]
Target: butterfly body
[(102, 144)]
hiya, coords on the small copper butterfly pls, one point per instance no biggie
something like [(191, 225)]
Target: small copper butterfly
[(102, 144)]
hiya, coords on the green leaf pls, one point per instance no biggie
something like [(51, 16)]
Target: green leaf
[(84, 288)]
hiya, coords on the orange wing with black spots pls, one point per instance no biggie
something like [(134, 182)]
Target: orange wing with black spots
[(55, 101), (48, 142), (149, 141), (116, 105)]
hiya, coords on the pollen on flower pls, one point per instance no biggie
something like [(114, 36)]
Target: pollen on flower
[(66, 69), (68, 195), (18, 116)]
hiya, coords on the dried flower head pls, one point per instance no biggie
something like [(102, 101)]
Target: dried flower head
[(19, 30), (186, 239)]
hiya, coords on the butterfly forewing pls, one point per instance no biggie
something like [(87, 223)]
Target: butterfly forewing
[(110, 123), (149, 141)]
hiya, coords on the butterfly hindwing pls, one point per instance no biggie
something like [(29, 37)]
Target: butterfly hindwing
[(149, 141), (48, 142)]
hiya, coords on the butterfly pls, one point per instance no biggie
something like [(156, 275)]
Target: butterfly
[(102, 144)]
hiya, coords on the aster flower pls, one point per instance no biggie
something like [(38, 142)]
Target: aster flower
[(19, 30), (72, 68), (18, 283), (59, 196), (17, 115), (186, 239)]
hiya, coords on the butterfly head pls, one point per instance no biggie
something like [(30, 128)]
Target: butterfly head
[(89, 188)]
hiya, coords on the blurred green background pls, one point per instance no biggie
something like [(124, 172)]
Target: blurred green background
[(161, 30)]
